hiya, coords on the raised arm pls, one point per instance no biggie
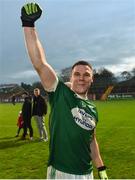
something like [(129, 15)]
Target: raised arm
[(29, 14)]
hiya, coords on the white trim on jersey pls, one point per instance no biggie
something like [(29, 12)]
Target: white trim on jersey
[(54, 86)]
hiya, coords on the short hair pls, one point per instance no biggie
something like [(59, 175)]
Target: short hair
[(36, 89), (82, 62)]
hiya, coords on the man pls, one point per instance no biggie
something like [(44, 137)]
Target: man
[(73, 118), (26, 115), (39, 110)]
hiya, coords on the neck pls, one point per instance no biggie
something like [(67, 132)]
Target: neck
[(83, 96)]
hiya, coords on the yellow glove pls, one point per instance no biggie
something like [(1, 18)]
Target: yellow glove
[(102, 172)]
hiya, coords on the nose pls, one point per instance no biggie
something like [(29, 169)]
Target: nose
[(81, 77)]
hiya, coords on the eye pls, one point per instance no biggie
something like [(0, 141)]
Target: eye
[(76, 74), (87, 75)]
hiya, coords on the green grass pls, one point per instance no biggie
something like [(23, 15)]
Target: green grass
[(20, 159), (115, 135)]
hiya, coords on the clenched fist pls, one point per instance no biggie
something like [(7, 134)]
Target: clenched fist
[(29, 14)]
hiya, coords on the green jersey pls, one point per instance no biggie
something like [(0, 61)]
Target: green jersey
[(72, 122)]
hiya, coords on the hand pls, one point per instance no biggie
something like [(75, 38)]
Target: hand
[(102, 172), (29, 14)]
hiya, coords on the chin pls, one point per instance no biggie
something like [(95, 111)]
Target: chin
[(81, 92)]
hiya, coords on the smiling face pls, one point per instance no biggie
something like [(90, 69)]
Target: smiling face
[(81, 79)]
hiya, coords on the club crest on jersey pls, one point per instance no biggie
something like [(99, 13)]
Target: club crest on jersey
[(83, 119)]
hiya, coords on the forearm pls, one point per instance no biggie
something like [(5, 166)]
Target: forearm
[(95, 154), (34, 47), (37, 56)]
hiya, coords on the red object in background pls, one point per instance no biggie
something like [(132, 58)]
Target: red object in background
[(20, 120)]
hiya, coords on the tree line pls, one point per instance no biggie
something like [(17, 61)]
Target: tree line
[(102, 78)]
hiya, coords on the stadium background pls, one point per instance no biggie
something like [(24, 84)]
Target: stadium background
[(115, 131)]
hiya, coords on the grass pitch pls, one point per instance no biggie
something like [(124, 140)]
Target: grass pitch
[(28, 160)]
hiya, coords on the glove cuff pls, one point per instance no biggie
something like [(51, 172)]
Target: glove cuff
[(101, 168), (27, 24)]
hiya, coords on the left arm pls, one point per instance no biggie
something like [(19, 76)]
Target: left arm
[(96, 158), (95, 153)]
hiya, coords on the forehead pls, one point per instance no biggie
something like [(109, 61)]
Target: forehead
[(36, 90), (82, 69)]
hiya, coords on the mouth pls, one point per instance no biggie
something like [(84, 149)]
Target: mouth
[(81, 84)]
